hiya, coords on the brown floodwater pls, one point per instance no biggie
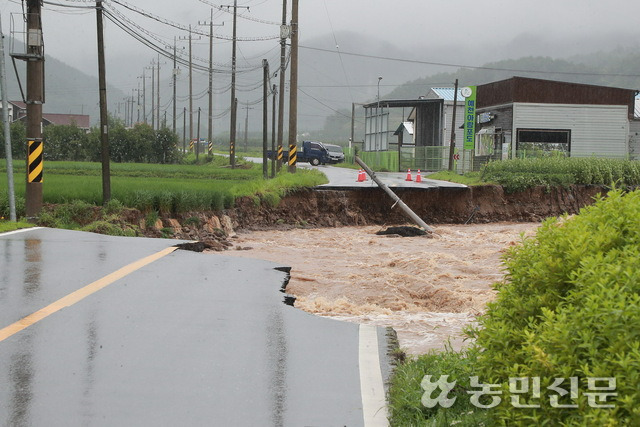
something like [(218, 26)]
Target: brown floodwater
[(427, 289)]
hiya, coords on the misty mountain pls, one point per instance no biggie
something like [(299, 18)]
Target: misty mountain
[(67, 90)]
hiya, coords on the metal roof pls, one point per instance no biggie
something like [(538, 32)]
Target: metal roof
[(447, 93)]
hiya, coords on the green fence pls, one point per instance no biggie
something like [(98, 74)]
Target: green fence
[(377, 160)]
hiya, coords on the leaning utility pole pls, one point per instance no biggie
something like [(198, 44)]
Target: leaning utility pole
[(104, 118), (293, 94), (7, 129), (284, 34)]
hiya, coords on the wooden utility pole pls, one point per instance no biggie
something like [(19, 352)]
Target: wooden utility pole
[(293, 94), (452, 145), (265, 115), (34, 56), (104, 117), (284, 34)]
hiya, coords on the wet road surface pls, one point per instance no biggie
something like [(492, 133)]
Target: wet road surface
[(187, 339)]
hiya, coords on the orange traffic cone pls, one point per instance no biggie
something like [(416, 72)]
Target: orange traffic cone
[(409, 175), (418, 177), (361, 176)]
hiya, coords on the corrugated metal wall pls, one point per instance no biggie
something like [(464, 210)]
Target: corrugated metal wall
[(634, 140), (595, 130), (448, 116)]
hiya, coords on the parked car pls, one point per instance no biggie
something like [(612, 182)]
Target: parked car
[(335, 153), (309, 151)]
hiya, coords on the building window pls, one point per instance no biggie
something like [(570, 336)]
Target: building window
[(544, 141)]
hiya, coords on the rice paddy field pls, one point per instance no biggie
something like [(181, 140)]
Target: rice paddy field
[(165, 188)]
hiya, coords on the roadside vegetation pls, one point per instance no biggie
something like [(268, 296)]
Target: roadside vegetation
[(167, 189), (567, 308), (6, 225), (520, 174)]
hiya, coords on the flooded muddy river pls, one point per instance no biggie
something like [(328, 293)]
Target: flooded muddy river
[(427, 289)]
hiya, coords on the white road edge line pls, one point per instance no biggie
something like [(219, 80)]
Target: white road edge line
[(374, 403), (22, 230)]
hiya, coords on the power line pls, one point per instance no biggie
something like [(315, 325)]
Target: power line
[(443, 64)]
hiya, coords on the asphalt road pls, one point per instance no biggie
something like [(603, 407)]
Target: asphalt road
[(343, 178), (99, 330)]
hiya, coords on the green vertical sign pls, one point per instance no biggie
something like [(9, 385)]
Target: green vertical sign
[(469, 93)]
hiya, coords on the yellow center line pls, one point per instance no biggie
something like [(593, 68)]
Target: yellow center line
[(80, 294)]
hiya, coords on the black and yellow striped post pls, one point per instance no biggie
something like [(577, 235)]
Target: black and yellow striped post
[(35, 161), (279, 157), (191, 145), (210, 148), (35, 169), (232, 153), (293, 157)]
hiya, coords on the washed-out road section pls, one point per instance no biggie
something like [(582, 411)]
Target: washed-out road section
[(184, 339)]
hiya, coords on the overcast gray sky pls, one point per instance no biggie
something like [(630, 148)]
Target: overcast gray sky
[(414, 25), (70, 34)]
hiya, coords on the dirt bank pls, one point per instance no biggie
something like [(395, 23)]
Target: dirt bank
[(482, 204), (426, 289)]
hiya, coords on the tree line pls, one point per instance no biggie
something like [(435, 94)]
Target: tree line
[(139, 144)]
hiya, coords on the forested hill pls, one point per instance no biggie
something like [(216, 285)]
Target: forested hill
[(620, 68)]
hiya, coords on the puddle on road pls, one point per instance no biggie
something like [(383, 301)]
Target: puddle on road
[(428, 290)]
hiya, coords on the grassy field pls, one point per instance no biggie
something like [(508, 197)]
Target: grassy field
[(164, 188), (6, 226)]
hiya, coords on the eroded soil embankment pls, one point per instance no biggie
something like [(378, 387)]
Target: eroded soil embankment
[(480, 204)]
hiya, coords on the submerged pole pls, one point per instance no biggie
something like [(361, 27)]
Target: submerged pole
[(395, 197)]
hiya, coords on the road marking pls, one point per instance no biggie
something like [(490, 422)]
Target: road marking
[(80, 294), (374, 404), (22, 230)]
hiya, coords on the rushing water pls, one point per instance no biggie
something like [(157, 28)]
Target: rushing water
[(427, 289)]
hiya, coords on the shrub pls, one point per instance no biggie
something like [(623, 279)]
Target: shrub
[(570, 308)]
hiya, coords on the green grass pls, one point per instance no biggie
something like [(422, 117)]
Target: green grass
[(406, 393), (165, 188), (470, 178), (6, 226)]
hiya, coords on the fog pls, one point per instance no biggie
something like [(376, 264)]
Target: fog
[(460, 32)]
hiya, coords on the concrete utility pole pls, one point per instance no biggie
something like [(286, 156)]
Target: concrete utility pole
[(265, 115), (452, 145), (153, 95), (190, 39), (174, 77), (234, 101), (184, 131), (7, 129), (144, 96), (210, 118), (104, 118), (293, 94), (246, 128), (274, 91), (284, 34), (158, 94)]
